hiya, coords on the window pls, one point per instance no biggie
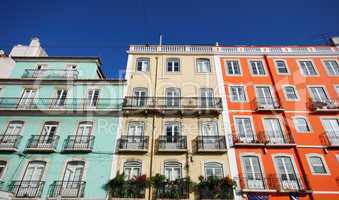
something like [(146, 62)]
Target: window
[(317, 165), (301, 124), (213, 169), (85, 128), (206, 97), (209, 128), (173, 170), (173, 130), (257, 67), (92, 97), (143, 64), (135, 128), (244, 129), (14, 128), (332, 67), (290, 93), (140, 96), (27, 97), (237, 93), (286, 173), (281, 67), (73, 174), (274, 131), (61, 97), (253, 173), (132, 169), (48, 133), (233, 67), (2, 168), (307, 68), (331, 126), (173, 97), (173, 65), (34, 172), (203, 65), (318, 94), (264, 96)]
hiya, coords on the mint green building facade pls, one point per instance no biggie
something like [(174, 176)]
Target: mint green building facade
[(59, 119)]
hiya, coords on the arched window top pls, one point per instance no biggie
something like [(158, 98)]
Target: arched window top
[(214, 169), (172, 163), (213, 164), (76, 162), (132, 169), (3, 162), (86, 122), (51, 122), (132, 163), (37, 162)]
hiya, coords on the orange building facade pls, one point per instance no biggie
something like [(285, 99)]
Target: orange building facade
[(283, 110)]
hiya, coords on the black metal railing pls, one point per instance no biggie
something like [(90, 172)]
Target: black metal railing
[(128, 189), (172, 142), (79, 143), (67, 189), (51, 73), (267, 103), (215, 190), (26, 189), (211, 143), (42, 142), (324, 104), (9, 141), (14, 103), (174, 102), (332, 138), (133, 143), (276, 137), (177, 189)]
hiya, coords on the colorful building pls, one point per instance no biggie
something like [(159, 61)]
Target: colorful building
[(59, 121)]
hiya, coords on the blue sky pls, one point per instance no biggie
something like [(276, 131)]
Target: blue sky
[(106, 28)]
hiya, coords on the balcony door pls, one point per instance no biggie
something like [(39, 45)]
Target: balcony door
[(11, 134), (173, 97), (253, 173), (82, 137), (92, 97), (140, 97), (30, 184), (206, 97), (47, 138), (27, 98), (173, 171), (318, 94), (274, 131), (286, 173), (135, 135), (264, 96), (61, 98), (331, 127), (244, 129), (172, 132), (71, 182), (209, 133)]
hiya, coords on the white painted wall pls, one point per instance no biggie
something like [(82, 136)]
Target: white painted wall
[(33, 50)]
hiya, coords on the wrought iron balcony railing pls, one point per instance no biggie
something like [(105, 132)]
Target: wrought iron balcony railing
[(42, 143), (257, 182), (56, 104), (9, 142), (26, 189), (267, 104), (325, 105), (211, 143), (248, 139), (79, 143), (172, 103), (291, 184), (277, 138), (332, 138), (177, 189), (129, 190), (67, 189), (173, 143), (51, 73), (133, 143)]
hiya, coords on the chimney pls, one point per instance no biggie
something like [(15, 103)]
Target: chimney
[(335, 41)]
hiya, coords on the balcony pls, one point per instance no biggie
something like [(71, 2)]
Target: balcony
[(67, 189), (173, 105), (26, 189), (9, 142), (60, 105), (332, 139), (267, 105), (256, 182), (79, 143), (292, 185), (51, 73), (172, 144), (277, 139), (257, 140), (136, 144), (177, 189), (211, 144), (325, 106), (42, 143), (216, 188)]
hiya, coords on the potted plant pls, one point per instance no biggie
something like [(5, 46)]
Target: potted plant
[(214, 187)]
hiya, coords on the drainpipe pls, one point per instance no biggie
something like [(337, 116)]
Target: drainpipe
[(152, 140), (288, 128)]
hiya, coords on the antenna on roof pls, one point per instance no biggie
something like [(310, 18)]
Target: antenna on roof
[(160, 39)]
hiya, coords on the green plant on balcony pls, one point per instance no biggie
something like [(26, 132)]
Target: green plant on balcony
[(175, 189), (120, 187), (214, 187)]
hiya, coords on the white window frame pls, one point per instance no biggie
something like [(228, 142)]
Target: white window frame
[(295, 90), (173, 60), (91, 98), (263, 64), (313, 64), (281, 125), (216, 163), (277, 69), (143, 60), (325, 66), (251, 121), (226, 67), (242, 155), (172, 164), (14, 122), (312, 86), (133, 164), (272, 92), (308, 156), (231, 95), (203, 59), (294, 118)]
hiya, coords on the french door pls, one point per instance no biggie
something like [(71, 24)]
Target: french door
[(173, 171), (46, 139), (331, 127), (206, 97), (61, 97), (30, 184), (264, 96), (92, 97), (274, 131), (82, 138), (244, 129), (27, 98), (253, 173), (71, 182), (287, 176), (173, 97), (135, 138), (172, 133), (140, 97), (318, 94), (11, 135)]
